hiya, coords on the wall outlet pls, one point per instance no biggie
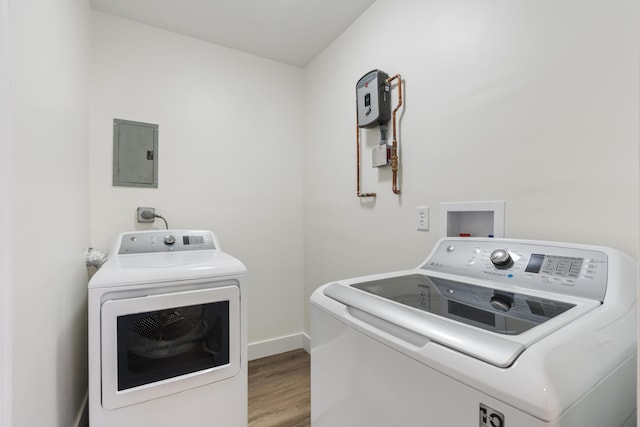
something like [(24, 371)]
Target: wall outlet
[(422, 219), (146, 214)]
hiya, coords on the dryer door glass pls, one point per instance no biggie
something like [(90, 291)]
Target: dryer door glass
[(157, 345)]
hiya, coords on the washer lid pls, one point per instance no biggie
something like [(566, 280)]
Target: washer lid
[(494, 309), (458, 315)]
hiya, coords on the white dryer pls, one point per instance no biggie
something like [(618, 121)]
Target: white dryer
[(168, 333), (486, 332)]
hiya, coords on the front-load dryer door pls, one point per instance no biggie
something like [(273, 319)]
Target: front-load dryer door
[(157, 345)]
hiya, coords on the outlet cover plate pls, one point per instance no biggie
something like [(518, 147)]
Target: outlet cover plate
[(422, 218)]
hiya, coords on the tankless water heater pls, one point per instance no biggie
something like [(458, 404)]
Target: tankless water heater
[(373, 99)]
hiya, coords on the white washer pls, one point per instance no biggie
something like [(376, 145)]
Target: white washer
[(486, 332), (168, 333)]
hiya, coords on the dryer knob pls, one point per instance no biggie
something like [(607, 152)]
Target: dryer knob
[(169, 239), (501, 259)]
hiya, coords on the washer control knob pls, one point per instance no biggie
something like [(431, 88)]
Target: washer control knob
[(501, 302), (169, 239), (501, 259)]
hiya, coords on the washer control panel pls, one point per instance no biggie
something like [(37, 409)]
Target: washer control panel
[(145, 242), (575, 271)]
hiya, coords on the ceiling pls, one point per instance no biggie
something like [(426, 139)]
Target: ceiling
[(289, 31)]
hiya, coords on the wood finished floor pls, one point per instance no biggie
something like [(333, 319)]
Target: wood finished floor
[(280, 390)]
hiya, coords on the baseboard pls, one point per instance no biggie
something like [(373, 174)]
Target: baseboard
[(82, 419), (260, 349), (306, 343)]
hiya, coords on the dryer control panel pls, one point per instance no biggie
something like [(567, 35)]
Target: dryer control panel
[(576, 271), (144, 242)]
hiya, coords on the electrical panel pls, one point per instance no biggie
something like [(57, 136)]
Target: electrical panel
[(135, 154), (373, 99)]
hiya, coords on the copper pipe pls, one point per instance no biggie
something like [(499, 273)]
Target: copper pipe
[(358, 168), (394, 146)]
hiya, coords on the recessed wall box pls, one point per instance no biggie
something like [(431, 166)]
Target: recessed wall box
[(135, 154), (380, 156), (472, 219)]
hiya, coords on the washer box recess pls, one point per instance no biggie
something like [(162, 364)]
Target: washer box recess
[(472, 219)]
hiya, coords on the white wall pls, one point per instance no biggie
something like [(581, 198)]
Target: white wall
[(230, 145), (6, 213), (531, 102), (49, 206)]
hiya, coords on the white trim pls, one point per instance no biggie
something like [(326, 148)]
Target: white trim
[(306, 343), (6, 206), (260, 349)]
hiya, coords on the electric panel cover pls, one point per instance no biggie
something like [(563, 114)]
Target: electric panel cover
[(135, 154), (373, 99)]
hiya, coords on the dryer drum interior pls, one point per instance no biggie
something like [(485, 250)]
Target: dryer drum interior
[(167, 333), (171, 332)]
